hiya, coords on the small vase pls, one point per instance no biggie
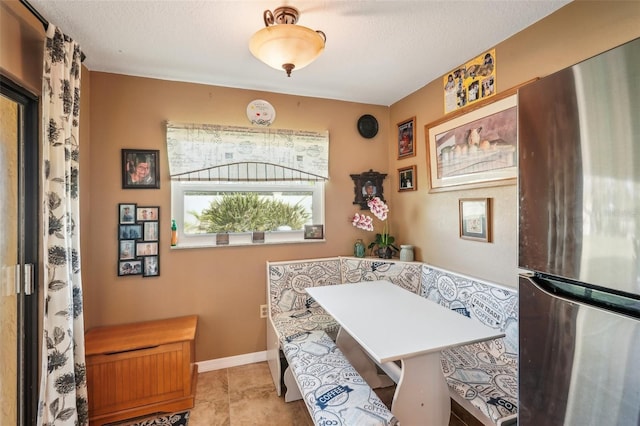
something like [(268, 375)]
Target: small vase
[(358, 248), (385, 252), (406, 253)]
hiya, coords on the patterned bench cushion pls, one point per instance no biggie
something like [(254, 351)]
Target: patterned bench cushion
[(484, 373), (307, 319), (403, 274), (333, 390), (487, 382), (288, 280)]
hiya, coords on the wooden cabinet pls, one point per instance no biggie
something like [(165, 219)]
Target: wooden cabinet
[(142, 368)]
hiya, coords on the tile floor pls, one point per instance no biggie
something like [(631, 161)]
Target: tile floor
[(245, 395)]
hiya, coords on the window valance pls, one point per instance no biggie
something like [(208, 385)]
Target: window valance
[(234, 153)]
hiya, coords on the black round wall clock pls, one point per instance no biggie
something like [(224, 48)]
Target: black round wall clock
[(367, 126)]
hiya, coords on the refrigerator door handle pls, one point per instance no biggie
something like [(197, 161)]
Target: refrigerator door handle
[(582, 293)]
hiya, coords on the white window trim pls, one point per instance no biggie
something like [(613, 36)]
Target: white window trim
[(178, 189)]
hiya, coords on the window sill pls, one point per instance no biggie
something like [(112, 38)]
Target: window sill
[(243, 239), (182, 246)]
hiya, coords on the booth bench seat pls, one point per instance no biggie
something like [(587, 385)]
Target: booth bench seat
[(308, 319), (482, 377), (292, 310), (334, 392)]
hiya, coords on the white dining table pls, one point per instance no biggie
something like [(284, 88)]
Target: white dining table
[(391, 324)]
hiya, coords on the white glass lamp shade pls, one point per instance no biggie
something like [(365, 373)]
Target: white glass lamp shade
[(280, 45)]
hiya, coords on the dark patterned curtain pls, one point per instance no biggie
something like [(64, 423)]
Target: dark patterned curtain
[(63, 387)]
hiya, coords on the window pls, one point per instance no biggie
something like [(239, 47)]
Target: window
[(281, 209), (244, 185)]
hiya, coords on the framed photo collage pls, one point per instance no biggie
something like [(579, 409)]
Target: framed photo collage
[(138, 240)]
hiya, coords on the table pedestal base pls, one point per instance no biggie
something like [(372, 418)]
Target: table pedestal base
[(422, 395), (361, 361)]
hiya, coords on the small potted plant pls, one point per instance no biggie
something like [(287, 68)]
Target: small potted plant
[(383, 242)]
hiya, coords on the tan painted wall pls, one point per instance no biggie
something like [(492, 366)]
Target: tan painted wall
[(21, 46), (223, 286), (430, 221)]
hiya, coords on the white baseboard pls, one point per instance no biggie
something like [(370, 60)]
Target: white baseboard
[(232, 361)]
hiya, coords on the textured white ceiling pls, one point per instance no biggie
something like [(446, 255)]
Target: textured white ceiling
[(377, 52)]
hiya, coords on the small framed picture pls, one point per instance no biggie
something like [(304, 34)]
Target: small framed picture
[(475, 219), (127, 250), (147, 213), (126, 213), (257, 237), (140, 169), (314, 232), (407, 179), (150, 231), (130, 232), (151, 268), (146, 248), (406, 138), (129, 267), (222, 239)]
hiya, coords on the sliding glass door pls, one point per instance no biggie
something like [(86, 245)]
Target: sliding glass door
[(18, 255)]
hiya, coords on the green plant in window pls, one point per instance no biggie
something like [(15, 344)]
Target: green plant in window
[(244, 212)]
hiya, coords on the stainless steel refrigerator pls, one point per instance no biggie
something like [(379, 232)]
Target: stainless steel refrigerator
[(579, 243)]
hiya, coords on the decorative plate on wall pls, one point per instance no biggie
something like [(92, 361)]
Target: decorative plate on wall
[(261, 112), (367, 126)]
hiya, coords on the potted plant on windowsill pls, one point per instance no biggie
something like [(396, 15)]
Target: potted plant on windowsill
[(383, 242)]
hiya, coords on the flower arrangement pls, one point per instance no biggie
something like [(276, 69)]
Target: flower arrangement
[(384, 241)]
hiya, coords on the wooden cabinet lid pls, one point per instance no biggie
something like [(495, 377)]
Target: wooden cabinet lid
[(118, 338)]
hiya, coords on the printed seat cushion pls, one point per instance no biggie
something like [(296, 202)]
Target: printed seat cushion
[(404, 274), (307, 319), (287, 282), (484, 375), (493, 306), (333, 390)]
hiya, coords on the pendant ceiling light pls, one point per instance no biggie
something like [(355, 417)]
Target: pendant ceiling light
[(285, 45)]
